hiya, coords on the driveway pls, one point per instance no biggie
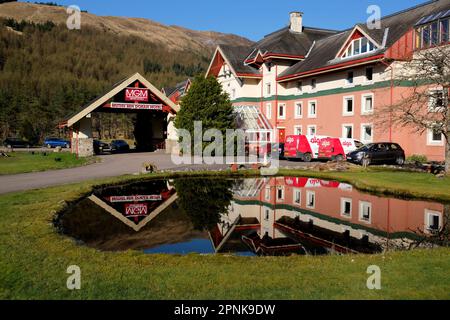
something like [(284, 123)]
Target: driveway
[(110, 166)]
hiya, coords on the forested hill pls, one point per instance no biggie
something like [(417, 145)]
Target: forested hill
[(48, 71)]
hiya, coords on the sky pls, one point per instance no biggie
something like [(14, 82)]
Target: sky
[(249, 18)]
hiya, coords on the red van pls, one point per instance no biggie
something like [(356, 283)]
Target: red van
[(302, 147), (337, 148)]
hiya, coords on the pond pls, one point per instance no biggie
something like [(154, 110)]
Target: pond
[(251, 217)]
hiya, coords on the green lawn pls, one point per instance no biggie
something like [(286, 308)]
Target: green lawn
[(22, 162), (34, 258)]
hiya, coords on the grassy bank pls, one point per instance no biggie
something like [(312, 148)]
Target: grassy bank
[(33, 262), (23, 162)]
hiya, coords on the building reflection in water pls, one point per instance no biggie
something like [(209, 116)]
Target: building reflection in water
[(260, 216)]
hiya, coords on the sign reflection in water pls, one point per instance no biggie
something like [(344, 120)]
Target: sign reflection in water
[(262, 216)]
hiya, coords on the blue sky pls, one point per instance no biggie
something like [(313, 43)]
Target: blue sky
[(249, 18)]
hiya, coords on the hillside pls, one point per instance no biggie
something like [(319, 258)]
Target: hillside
[(172, 37), (48, 71)]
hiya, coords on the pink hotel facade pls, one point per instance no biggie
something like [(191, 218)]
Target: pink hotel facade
[(306, 80)]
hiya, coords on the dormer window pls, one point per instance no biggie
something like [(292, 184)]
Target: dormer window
[(359, 46), (432, 34)]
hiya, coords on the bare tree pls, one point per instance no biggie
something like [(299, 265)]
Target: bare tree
[(425, 106)]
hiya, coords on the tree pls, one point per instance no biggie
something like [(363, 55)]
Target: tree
[(424, 107), (206, 102), (204, 200)]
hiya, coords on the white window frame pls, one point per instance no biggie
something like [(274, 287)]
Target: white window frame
[(431, 99), (233, 93), (345, 113), (299, 86), (298, 116), (431, 142), (428, 214), (310, 127), (343, 202), (364, 96), (365, 75), (308, 194), (344, 127), (269, 110), (298, 127), (295, 192), (352, 45), (347, 82), (284, 111), (267, 212), (310, 115), (283, 194), (268, 89), (363, 125), (362, 205), (268, 194)]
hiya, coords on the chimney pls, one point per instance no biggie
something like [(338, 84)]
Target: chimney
[(296, 21)]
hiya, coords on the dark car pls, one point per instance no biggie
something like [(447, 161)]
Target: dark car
[(119, 145), (378, 153), (16, 143), (100, 146), (56, 142)]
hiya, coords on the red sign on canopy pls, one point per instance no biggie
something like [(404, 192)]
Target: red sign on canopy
[(136, 95)]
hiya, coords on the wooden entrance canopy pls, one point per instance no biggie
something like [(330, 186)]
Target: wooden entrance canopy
[(133, 94)]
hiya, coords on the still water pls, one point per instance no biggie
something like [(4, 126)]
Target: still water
[(258, 216)]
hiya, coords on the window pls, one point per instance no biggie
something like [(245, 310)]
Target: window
[(298, 130), (266, 214), (298, 110), (268, 89), (445, 31), (280, 194), (313, 84), (434, 33), (366, 133), (267, 194), (359, 46), (311, 199), (433, 221), (297, 197), (348, 106), (437, 100), (347, 131), (282, 111), (365, 211), (346, 207), (300, 87), (269, 111), (312, 130), (435, 137), (233, 93), (269, 67), (312, 109), (349, 79), (369, 74), (425, 36), (367, 104)]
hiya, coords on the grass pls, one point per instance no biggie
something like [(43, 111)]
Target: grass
[(23, 162), (34, 258)]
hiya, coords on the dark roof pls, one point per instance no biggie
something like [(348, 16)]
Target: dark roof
[(325, 50), (168, 91), (285, 41), (236, 57)]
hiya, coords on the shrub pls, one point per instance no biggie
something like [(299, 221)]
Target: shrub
[(417, 158)]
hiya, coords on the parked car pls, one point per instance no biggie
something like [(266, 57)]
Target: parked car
[(100, 146), (378, 153), (337, 148), (16, 143), (119, 145), (56, 142)]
